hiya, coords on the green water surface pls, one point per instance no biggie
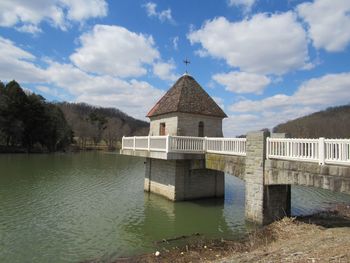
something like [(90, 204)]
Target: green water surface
[(78, 207)]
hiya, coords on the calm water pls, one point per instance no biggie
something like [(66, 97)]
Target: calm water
[(75, 207)]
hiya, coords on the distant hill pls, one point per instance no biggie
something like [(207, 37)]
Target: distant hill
[(90, 123), (333, 122)]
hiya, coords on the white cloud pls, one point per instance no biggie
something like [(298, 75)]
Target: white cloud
[(133, 97), (242, 82), (43, 89), (328, 90), (151, 9), (29, 28), (116, 51), (311, 96), (16, 63), (269, 103), (245, 4), (165, 15), (136, 98), (165, 70), (79, 10), (240, 124), (264, 44), (52, 92), (27, 15), (328, 23), (176, 43), (65, 80)]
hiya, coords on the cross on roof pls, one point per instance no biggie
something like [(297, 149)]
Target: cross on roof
[(186, 61)]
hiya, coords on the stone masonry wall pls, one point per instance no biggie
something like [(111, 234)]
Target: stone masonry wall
[(330, 177), (188, 125), (160, 177), (254, 171), (185, 124), (171, 122), (178, 181), (264, 204), (234, 165)]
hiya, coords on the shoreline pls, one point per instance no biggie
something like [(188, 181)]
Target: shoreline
[(321, 237), (71, 149)]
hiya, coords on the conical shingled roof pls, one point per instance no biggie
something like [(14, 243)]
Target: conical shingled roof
[(187, 96)]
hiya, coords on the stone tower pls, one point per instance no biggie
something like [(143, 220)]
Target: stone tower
[(185, 110)]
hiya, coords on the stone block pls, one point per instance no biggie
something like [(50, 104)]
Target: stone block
[(324, 169), (333, 170)]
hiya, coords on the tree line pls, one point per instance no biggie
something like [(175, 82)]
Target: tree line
[(333, 122), (28, 122), (97, 125)]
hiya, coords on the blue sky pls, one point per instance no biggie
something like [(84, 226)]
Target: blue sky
[(263, 61)]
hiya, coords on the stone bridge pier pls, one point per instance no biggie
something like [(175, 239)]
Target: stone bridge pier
[(263, 203)]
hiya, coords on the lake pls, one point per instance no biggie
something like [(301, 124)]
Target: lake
[(84, 206)]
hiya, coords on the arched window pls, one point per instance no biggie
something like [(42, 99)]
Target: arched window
[(201, 129)]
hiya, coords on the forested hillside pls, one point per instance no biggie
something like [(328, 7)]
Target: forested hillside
[(97, 124), (29, 123), (331, 123)]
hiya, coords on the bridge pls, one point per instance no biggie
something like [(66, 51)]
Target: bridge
[(269, 165)]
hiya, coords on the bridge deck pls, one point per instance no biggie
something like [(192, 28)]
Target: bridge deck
[(322, 151)]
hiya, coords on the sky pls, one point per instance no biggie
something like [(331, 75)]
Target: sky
[(263, 61)]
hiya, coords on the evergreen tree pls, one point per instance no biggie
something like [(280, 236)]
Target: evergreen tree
[(27, 120)]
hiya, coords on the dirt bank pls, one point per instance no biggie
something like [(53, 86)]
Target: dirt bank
[(323, 237)]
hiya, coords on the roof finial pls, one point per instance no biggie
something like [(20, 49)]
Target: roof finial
[(186, 61)]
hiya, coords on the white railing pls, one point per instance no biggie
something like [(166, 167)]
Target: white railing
[(233, 146), (337, 151), (185, 144), (323, 151)]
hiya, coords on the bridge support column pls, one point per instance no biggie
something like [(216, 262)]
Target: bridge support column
[(263, 204), (180, 180)]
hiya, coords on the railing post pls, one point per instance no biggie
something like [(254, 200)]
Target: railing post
[(134, 146), (205, 146), (149, 143), (123, 142), (321, 150), (167, 143), (267, 147)]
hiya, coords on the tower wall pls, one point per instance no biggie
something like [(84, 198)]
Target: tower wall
[(186, 124), (170, 120)]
